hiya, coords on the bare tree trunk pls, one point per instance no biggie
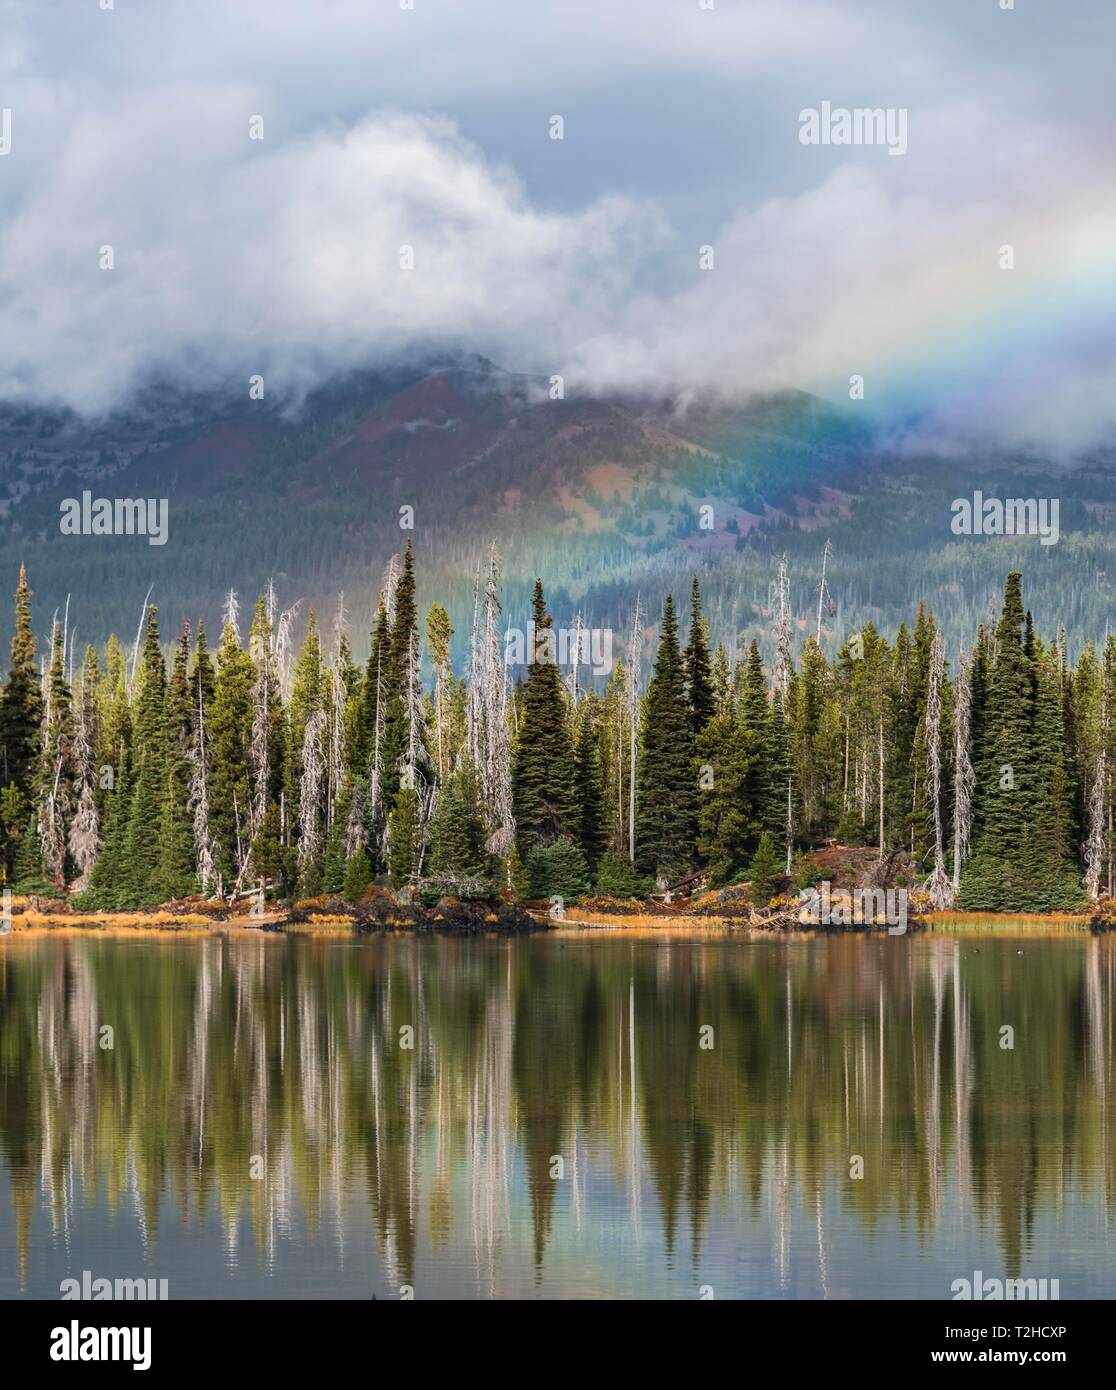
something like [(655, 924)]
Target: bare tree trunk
[(790, 826), (635, 658), (1094, 845), (822, 591), (964, 779), (780, 676), (941, 891)]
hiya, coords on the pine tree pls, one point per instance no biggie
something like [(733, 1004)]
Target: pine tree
[(457, 826), (174, 875), (592, 836), (722, 681), (764, 871), (544, 787), (14, 812), (1054, 881), (783, 813), (200, 758), (115, 709), (439, 635), (307, 699), (55, 770), (30, 871), (21, 712), (336, 854), (404, 632), (106, 886), (229, 730), (699, 678), (358, 875), (267, 848), (666, 788), (1015, 859), (765, 801), (371, 691), (267, 745), (728, 813), (174, 848), (139, 871), (84, 842), (404, 837)]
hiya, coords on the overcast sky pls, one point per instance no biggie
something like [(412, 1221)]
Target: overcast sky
[(429, 127)]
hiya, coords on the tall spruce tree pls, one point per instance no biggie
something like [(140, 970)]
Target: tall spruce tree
[(139, 872), (21, 711), (1019, 858), (592, 833), (666, 785), (544, 786), (229, 733), (699, 675), (404, 630), (55, 800), (457, 826), (728, 813)]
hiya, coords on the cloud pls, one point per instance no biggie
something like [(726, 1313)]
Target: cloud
[(228, 262), (427, 129)]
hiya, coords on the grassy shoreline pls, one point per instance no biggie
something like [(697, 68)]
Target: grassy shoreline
[(318, 919)]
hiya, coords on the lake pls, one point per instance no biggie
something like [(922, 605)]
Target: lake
[(830, 1117)]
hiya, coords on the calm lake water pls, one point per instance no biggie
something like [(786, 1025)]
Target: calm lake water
[(259, 1129)]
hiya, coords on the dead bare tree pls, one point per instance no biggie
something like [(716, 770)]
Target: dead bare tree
[(137, 643), (1094, 845), (310, 789), (199, 798), (780, 676), (635, 666), (938, 884), (337, 699), (284, 649), (85, 836), (261, 650), (824, 597), (487, 735), (964, 778), (231, 615)]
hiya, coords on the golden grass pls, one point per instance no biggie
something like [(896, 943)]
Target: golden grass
[(681, 932), (31, 920)]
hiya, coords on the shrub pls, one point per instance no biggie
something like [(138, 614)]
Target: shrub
[(464, 887), (617, 877), (358, 875), (764, 871), (805, 874), (557, 870)]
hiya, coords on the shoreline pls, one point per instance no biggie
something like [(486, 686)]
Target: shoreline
[(314, 920)]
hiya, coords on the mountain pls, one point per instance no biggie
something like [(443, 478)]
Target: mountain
[(601, 496)]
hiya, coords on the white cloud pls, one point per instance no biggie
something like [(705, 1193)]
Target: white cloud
[(427, 128), (232, 258)]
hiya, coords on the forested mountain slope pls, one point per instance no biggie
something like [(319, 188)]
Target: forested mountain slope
[(608, 496)]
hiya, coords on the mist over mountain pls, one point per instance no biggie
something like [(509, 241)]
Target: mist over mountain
[(605, 497)]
